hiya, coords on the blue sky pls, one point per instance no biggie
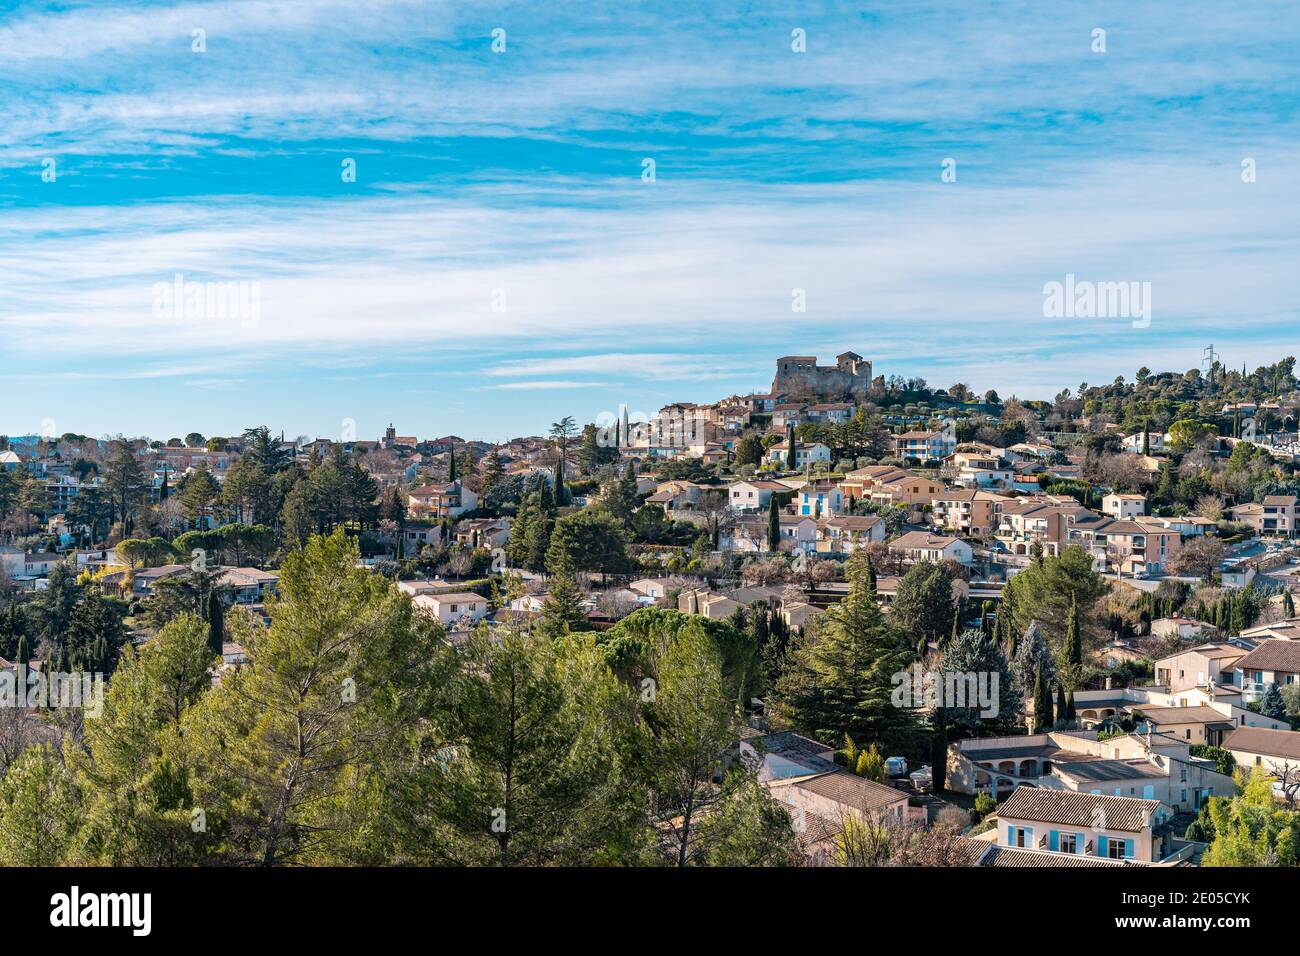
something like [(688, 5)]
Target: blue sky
[(499, 260)]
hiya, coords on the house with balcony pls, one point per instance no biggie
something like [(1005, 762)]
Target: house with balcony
[(483, 532), (967, 512), (844, 534), (888, 485), (1047, 522), (819, 499), (1277, 516), (1272, 662), (1149, 767), (440, 501), (924, 445), (1124, 829), (1126, 547)]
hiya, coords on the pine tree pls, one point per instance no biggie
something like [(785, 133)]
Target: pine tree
[(562, 609), (841, 677), (1272, 704)]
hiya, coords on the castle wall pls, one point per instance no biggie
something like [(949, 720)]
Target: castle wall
[(795, 373)]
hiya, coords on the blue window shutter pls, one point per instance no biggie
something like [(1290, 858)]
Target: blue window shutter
[(1101, 847), (1128, 849), (1011, 836), (1055, 841), (1148, 792), (1081, 843)]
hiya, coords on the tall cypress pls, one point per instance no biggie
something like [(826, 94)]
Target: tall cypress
[(790, 459), (1040, 716), (1073, 637), (773, 526), (216, 622), (451, 468)]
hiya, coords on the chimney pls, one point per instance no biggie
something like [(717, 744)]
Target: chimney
[(1109, 682)]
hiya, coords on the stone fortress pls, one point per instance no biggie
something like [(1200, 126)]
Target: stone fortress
[(800, 375)]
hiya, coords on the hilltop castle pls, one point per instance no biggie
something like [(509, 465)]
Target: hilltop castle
[(800, 374)]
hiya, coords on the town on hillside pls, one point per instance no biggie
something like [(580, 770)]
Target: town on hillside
[(852, 620)]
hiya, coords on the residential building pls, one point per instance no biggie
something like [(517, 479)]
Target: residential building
[(1275, 751), (1126, 547), (1087, 824), (440, 501), (755, 494), (1272, 662), (1153, 767), (1204, 666), (924, 445), (844, 534), (457, 610), (924, 546), (1124, 506), (967, 512), (805, 454), (819, 499)]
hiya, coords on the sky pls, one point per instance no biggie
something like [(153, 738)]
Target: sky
[(502, 255)]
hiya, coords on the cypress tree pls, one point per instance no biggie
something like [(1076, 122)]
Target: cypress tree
[(790, 458), (773, 527), (1042, 701), (1062, 705), (216, 622), (451, 469), (1073, 638)]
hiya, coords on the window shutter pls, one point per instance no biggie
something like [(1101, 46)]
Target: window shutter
[(1056, 841)]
